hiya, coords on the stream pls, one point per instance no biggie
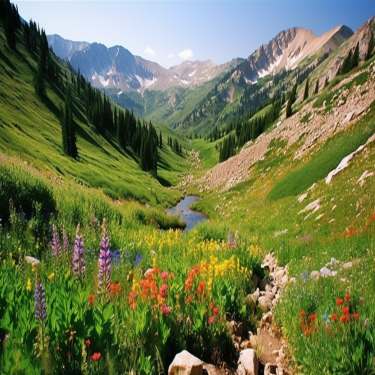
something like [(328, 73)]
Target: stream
[(190, 217)]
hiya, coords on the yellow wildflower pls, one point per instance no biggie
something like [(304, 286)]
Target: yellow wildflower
[(10, 255), (51, 276), (28, 286)]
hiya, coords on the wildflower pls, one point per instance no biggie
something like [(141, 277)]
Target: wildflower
[(365, 325), (88, 342), (137, 259), (345, 310), (312, 317), (188, 300), (133, 306), (57, 348), (163, 290), (91, 300), (302, 313), (345, 318), (104, 261), (115, 256), (40, 303), (347, 296), (115, 289), (361, 301), (95, 357), (51, 276), (79, 268), (56, 246), (166, 309), (211, 320), (68, 354), (355, 316), (171, 275), (215, 310), (212, 305), (164, 275), (334, 316), (28, 286), (339, 301), (156, 270)]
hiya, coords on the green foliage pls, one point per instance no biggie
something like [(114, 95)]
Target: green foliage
[(24, 190), (328, 157)]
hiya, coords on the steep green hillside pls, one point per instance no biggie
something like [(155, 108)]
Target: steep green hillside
[(31, 129)]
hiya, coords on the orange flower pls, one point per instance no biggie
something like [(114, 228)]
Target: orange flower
[(95, 357), (68, 354), (91, 300), (345, 310), (312, 317), (355, 316), (302, 313), (212, 305), (188, 300), (334, 316), (345, 318), (156, 270), (347, 296), (133, 306), (339, 301), (216, 310), (88, 342)]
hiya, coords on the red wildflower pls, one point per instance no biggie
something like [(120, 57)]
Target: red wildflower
[(188, 300), (302, 313), (156, 270), (68, 354), (212, 305), (163, 290), (95, 357), (133, 306), (57, 348), (88, 342), (216, 310), (211, 320), (345, 310), (334, 316), (91, 300), (345, 318), (312, 317), (171, 275), (164, 275), (347, 296), (355, 316), (166, 309), (339, 301), (115, 289)]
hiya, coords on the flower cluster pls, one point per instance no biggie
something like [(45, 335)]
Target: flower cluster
[(215, 313), (104, 262), (310, 325), (40, 302), (79, 267), (56, 246)]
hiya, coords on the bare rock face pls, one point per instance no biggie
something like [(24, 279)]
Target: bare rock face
[(185, 363), (248, 364)]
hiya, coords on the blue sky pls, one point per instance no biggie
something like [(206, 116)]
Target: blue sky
[(169, 32)]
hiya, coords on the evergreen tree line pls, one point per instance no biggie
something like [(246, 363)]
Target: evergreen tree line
[(174, 145), (249, 130), (11, 20)]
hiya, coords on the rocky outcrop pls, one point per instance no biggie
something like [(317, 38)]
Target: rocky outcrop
[(185, 363)]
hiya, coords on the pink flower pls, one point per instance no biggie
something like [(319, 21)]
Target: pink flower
[(164, 275), (165, 309), (211, 320)]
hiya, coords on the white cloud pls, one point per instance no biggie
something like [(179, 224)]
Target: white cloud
[(186, 54), (170, 56), (149, 51)]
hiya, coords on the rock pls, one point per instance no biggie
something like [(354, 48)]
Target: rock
[(347, 265), (280, 273), (252, 299), (264, 282), (248, 364), (266, 319), (365, 175), (253, 339), (265, 304), (325, 272), (302, 198), (270, 369), (185, 363), (340, 103)]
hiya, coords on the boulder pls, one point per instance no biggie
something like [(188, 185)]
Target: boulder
[(185, 363), (248, 364), (265, 304), (264, 282)]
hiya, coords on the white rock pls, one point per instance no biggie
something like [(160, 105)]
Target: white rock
[(248, 362), (265, 304), (185, 363)]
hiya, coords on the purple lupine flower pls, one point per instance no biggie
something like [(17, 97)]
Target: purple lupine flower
[(79, 267), (56, 246), (104, 261), (40, 302)]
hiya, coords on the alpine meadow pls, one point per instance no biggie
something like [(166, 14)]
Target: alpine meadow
[(97, 143)]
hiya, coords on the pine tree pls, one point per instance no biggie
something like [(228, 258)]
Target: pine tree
[(291, 100), (316, 86), (68, 127), (39, 84), (306, 92), (160, 141), (355, 57), (370, 46)]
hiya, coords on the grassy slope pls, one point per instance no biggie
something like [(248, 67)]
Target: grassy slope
[(30, 129)]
